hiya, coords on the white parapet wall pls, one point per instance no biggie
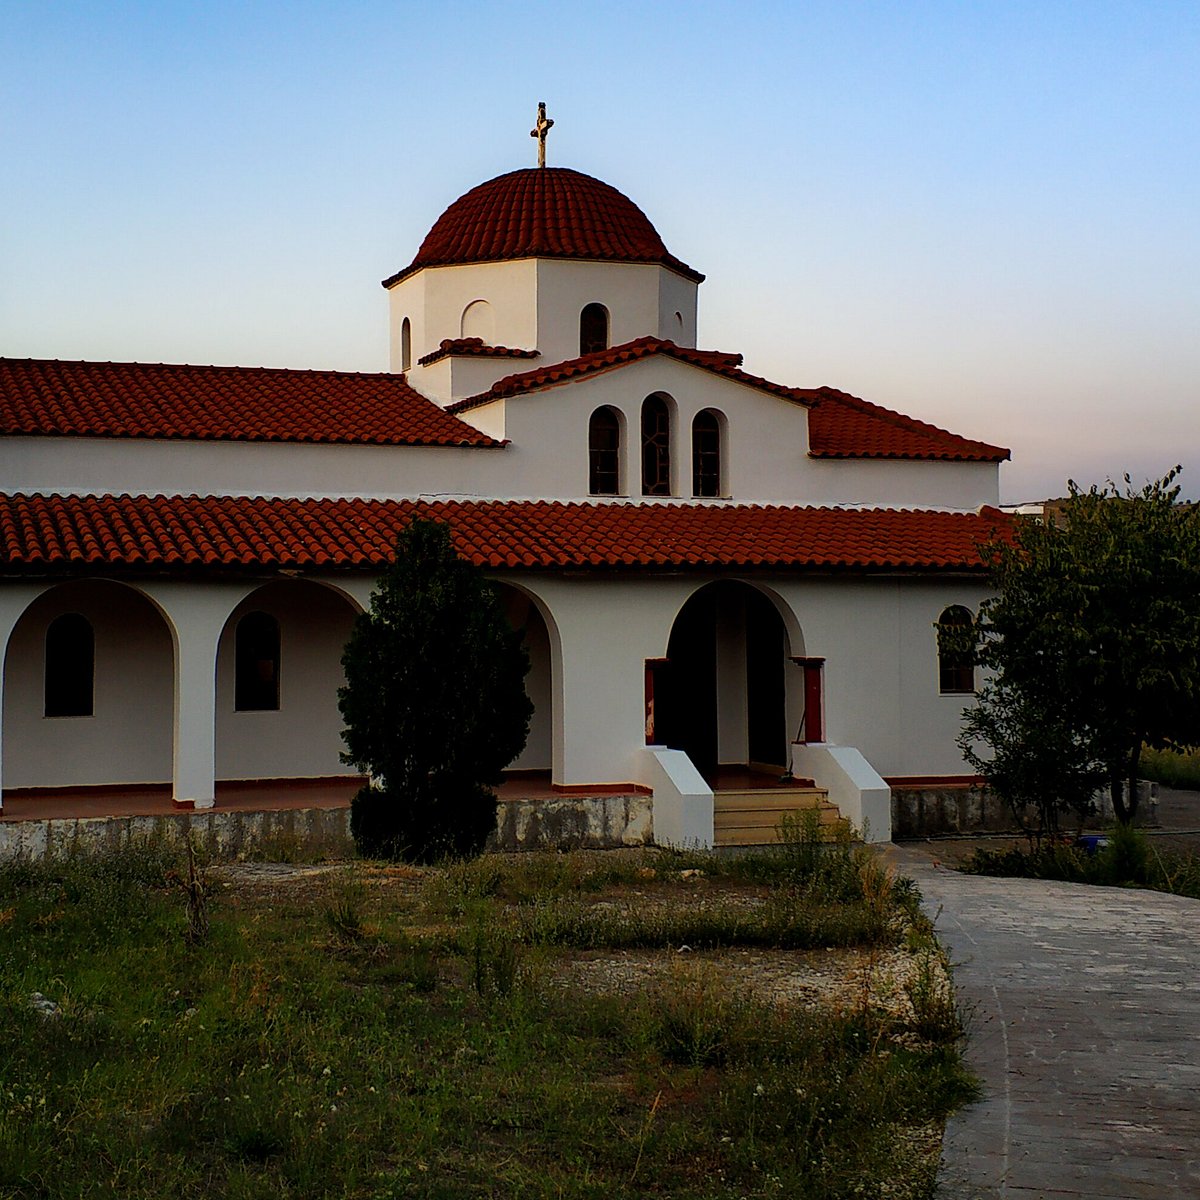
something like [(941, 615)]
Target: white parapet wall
[(858, 790), (683, 802)]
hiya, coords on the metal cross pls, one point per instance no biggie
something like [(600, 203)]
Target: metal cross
[(540, 130)]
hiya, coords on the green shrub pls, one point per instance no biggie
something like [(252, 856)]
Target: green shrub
[(1173, 768)]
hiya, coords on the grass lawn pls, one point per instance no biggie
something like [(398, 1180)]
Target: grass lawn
[(572, 1025)]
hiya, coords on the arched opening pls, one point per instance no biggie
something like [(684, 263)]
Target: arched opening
[(707, 435), (279, 666), (604, 452), (525, 615), (256, 663), (656, 445), (956, 658), (406, 345), (96, 649), (593, 329), (477, 321), (70, 667), (728, 690)]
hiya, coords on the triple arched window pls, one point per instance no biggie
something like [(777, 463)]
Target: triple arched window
[(604, 452), (70, 666), (956, 656), (256, 663), (593, 329)]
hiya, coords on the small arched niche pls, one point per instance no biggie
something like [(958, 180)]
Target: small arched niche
[(604, 452), (593, 328), (478, 321), (406, 345)]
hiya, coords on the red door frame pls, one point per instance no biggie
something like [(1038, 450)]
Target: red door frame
[(814, 698)]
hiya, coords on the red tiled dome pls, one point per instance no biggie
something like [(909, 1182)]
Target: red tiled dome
[(543, 212)]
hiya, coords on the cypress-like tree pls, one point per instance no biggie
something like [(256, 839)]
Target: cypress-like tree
[(434, 703)]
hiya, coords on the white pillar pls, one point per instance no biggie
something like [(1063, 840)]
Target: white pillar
[(197, 614), (15, 598), (607, 630)]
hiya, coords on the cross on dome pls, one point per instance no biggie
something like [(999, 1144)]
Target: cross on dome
[(540, 130)]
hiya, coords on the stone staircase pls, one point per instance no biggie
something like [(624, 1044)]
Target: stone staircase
[(752, 816)]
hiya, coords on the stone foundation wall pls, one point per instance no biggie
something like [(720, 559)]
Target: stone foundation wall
[(919, 812), (599, 822), (568, 822), (306, 833), (937, 811)]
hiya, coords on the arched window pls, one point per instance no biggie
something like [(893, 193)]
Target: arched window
[(256, 687), (406, 345), (656, 446), (604, 452), (956, 658), (593, 328), (70, 666), (706, 453)]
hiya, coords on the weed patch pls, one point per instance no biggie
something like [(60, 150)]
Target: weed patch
[(357, 1034), (1130, 859)]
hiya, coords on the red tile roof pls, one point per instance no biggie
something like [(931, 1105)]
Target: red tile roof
[(618, 356), (40, 533), (840, 425), (258, 404), (843, 426), (472, 347), (542, 212)]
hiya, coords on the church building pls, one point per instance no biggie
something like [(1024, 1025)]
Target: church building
[(715, 573)]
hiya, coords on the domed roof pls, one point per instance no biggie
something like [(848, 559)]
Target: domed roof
[(543, 212)]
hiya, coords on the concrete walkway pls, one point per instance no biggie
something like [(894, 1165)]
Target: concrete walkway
[(1085, 1032)]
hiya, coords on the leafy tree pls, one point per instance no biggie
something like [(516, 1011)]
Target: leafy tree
[(1092, 642), (434, 703)]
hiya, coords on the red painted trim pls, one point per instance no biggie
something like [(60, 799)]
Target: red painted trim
[(926, 781), (601, 789)]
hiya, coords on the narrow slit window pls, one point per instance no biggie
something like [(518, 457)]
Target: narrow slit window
[(706, 454), (257, 663), (956, 658), (656, 447), (593, 329), (604, 453), (406, 345), (70, 667)]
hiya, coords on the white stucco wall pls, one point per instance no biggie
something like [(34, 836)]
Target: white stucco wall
[(535, 305), (876, 635), (766, 445)]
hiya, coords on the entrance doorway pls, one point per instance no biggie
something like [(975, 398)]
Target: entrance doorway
[(721, 694)]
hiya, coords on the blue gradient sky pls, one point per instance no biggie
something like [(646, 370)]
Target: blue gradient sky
[(982, 214)]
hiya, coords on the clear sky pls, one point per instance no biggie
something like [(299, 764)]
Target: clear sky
[(986, 215)]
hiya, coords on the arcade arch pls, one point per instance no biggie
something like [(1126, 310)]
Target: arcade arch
[(126, 738), (299, 735), (527, 613)]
